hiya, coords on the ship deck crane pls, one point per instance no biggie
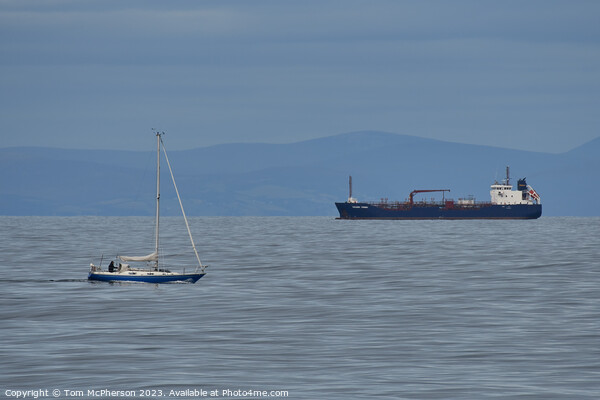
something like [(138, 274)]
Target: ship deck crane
[(412, 194)]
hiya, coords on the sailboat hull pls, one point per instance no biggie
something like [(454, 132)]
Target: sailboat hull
[(144, 277)]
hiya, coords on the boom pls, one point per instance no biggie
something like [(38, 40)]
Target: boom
[(412, 194)]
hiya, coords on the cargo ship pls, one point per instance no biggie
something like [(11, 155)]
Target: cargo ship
[(505, 203)]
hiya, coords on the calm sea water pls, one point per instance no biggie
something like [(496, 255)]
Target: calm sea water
[(315, 307)]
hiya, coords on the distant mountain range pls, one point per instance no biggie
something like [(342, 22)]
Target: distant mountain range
[(303, 178)]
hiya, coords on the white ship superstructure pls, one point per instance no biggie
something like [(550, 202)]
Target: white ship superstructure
[(503, 193)]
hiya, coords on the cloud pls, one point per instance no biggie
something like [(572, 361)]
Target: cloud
[(283, 71)]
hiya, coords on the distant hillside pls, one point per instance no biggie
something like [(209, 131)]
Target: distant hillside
[(303, 178)]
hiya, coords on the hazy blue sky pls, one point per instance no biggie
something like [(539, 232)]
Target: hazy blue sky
[(101, 74)]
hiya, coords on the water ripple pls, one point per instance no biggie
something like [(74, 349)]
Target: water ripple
[(319, 307)]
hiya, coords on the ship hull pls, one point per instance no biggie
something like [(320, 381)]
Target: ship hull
[(485, 211), (143, 277)]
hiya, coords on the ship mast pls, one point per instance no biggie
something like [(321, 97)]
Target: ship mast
[(200, 266), (158, 139), (350, 188)]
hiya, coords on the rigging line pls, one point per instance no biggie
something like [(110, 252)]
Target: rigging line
[(181, 204)]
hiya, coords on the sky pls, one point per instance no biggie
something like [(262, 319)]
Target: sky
[(100, 74)]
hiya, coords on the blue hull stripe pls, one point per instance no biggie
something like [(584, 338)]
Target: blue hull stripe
[(191, 278)]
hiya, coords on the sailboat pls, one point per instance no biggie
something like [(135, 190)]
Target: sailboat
[(152, 272)]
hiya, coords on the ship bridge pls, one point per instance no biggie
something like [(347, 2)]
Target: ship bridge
[(503, 193)]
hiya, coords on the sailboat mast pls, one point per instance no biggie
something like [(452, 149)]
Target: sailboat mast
[(158, 134), (182, 210)]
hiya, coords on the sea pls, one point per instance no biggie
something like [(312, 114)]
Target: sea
[(303, 308)]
